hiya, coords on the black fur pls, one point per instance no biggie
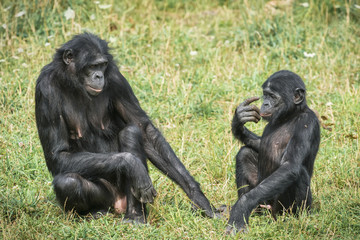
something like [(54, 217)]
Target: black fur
[(275, 169), (96, 144)]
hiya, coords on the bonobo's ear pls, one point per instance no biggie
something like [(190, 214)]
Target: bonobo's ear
[(299, 95), (68, 56)]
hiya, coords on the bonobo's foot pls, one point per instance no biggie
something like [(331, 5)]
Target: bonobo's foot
[(141, 185), (97, 214), (200, 202), (135, 219), (223, 211), (230, 230), (213, 213), (145, 194)]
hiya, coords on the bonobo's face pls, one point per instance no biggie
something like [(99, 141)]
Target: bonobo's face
[(272, 105), (283, 93), (94, 76), (91, 75)]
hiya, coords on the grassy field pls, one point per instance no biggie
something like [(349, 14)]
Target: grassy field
[(190, 63)]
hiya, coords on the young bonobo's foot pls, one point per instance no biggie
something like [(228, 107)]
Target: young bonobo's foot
[(223, 211)]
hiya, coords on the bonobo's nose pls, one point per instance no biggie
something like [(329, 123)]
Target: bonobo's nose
[(99, 75)]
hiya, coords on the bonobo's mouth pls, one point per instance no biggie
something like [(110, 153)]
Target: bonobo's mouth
[(93, 91)]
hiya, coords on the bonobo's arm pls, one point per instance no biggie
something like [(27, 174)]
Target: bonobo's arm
[(157, 148), (298, 149), (54, 138), (246, 113)]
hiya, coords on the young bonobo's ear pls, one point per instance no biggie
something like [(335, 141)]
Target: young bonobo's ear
[(68, 56), (299, 95)]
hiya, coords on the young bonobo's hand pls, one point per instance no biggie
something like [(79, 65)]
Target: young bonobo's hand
[(246, 113), (239, 216), (141, 185)]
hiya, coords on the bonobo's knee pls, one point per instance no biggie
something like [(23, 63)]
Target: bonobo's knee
[(131, 140), (246, 155), (128, 163), (67, 188), (66, 183), (244, 151), (246, 169)]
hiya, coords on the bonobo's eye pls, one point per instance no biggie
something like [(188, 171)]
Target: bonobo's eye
[(270, 95), (103, 65)]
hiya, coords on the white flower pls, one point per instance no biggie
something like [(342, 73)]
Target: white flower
[(69, 14), (193, 53), (4, 26), (304, 4), (105, 6), (357, 6), (112, 39), (19, 14), (309, 55), (329, 104), (20, 50), (92, 17), (47, 44)]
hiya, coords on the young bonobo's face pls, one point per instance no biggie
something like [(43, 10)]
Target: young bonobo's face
[(272, 104), (283, 92)]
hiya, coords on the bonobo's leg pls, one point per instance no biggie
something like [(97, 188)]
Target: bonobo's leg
[(246, 170), (77, 193), (131, 140), (303, 196), (97, 180), (296, 197)]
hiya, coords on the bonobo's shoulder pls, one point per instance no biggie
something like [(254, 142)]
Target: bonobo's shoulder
[(45, 86), (310, 113), (308, 118)]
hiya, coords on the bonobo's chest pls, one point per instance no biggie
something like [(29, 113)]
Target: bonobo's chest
[(93, 128), (272, 147)]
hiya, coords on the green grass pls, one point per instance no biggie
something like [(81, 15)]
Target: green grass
[(191, 98)]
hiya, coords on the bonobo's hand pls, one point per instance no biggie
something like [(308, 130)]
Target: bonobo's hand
[(236, 223), (141, 185), (239, 216), (200, 202), (246, 113)]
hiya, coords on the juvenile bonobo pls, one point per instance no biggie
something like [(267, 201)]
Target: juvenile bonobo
[(96, 138), (275, 169)]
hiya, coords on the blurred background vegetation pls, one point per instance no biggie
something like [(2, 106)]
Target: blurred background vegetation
[(190, 63)]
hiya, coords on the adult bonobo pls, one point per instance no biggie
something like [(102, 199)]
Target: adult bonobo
[(275, 169), (96, 138)]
